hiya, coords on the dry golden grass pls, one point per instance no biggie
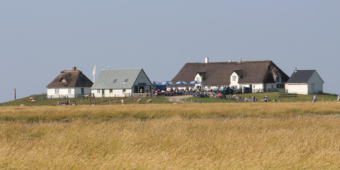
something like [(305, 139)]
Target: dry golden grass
[(193, 136)]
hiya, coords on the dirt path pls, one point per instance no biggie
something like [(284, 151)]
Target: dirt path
[(177, 98)]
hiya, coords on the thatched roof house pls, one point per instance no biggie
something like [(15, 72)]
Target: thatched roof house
[(221, 73), (69, 83)]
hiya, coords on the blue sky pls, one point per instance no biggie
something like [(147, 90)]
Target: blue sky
[(38, 39)]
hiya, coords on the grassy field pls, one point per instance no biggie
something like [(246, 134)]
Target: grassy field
[(114, 101), (271, 96), (288, 135), (96, 101)]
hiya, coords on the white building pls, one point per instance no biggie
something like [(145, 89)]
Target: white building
[(121, 83), (255, 76), (305, 82), (69, 84)]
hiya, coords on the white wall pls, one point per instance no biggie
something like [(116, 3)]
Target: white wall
[(234, 83), (297, 88), (64, 92), (114, 93), (318, 84), (315, 79), (198, 77), (317, 88)]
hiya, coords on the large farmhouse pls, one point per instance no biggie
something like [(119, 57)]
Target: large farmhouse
[(69, 84), (121, 83), (305, 82), (259, 76)]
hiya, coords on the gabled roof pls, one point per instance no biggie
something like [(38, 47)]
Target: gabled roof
[(301, 76), (106, 78), (219, 73), (73, 78)]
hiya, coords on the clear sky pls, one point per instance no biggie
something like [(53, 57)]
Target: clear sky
[(40, 38)]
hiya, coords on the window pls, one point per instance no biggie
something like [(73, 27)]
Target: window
[(115, 80), (278, 79), (63, 80), (56, 91), (69, 91), (124, 90), (98, 91), (234, 78), (272, 86), (111, 90), (126, 80)]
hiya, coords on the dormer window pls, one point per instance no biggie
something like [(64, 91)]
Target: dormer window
[(126, 80), (115, 80), (277, 79), (63, 80), (234, 78)]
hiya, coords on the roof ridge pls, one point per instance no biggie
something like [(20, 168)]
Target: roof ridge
[(234, 62)]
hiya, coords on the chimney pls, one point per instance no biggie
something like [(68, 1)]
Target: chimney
[(230, 61), (74, 68), (206, 60), (240, 59)]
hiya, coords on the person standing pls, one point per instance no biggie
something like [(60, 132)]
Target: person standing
[(314, 98), (338, 97), (265, 99)]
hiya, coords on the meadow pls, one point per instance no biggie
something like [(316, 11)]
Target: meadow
[(287, 135)]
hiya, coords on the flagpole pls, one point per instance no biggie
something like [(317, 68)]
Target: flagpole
[(94, 73)]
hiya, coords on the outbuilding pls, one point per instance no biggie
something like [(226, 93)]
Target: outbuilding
[(121, 83), (305, 82), (69, 84)]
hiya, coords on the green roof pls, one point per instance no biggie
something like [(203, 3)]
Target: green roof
[(116, 79)]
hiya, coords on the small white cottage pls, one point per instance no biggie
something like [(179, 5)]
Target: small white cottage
[(305, 82), (121, 83), (69, 84)]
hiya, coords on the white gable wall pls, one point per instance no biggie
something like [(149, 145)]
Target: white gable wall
[(315, 84), (142, 79), (198, 77), (234, 82)]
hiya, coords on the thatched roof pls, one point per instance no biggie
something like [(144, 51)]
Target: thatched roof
[(219, 73), (73, 78)]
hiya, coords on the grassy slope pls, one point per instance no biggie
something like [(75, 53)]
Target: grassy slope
[(271, 96), (106, 101)]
